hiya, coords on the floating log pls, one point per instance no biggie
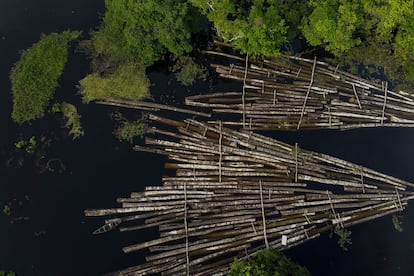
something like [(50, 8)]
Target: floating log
[(290, 93), (148, 106), (235, 192)]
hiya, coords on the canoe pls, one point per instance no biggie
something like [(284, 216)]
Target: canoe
[(107, 227)]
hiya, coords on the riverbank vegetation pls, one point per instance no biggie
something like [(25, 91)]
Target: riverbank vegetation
[(135, 35), (379, 33), (267, 262), (35, 76)]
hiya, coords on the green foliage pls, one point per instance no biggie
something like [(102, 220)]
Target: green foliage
[(7, 273), (29, 146), (397, 223), (7, 211), (128, 130), (127, 81), (379, 33), (143, 31), (187, 70), (35, 76), (343, 237), (20, 145), (56, 108), (257, 28), (72, 120), (267, 262), (332, 24)]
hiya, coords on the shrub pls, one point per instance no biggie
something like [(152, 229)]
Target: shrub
[(187, 71)]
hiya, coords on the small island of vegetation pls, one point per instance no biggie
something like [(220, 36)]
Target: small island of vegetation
[(35, 76)]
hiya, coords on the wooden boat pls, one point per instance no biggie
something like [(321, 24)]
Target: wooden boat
[(112, 224)]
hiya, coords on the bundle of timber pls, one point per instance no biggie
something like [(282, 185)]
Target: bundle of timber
[(235, 192), (290, 93)]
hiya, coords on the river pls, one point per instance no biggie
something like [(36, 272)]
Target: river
[(47, 234)]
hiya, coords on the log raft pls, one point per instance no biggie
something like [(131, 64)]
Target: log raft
[(290, 93), (235, 192)]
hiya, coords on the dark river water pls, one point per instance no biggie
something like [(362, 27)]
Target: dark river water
[(47, 234)]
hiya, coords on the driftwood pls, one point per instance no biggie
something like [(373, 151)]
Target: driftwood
[(235, 192)]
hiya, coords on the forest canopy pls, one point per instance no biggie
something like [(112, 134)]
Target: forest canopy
[(35, 76), (345, 27), (254, 27), (143, 31), (133, 35)]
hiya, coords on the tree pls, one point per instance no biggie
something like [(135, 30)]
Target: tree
[(35, 76), (267, 262), (256, 27), (143, 31), (379, 33), (332, 24), (187, 70)]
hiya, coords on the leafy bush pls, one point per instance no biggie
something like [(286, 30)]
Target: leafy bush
[(267, 262), (35, 76)]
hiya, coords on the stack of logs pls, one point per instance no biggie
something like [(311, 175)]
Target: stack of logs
[(235, 192), (290, 93)]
